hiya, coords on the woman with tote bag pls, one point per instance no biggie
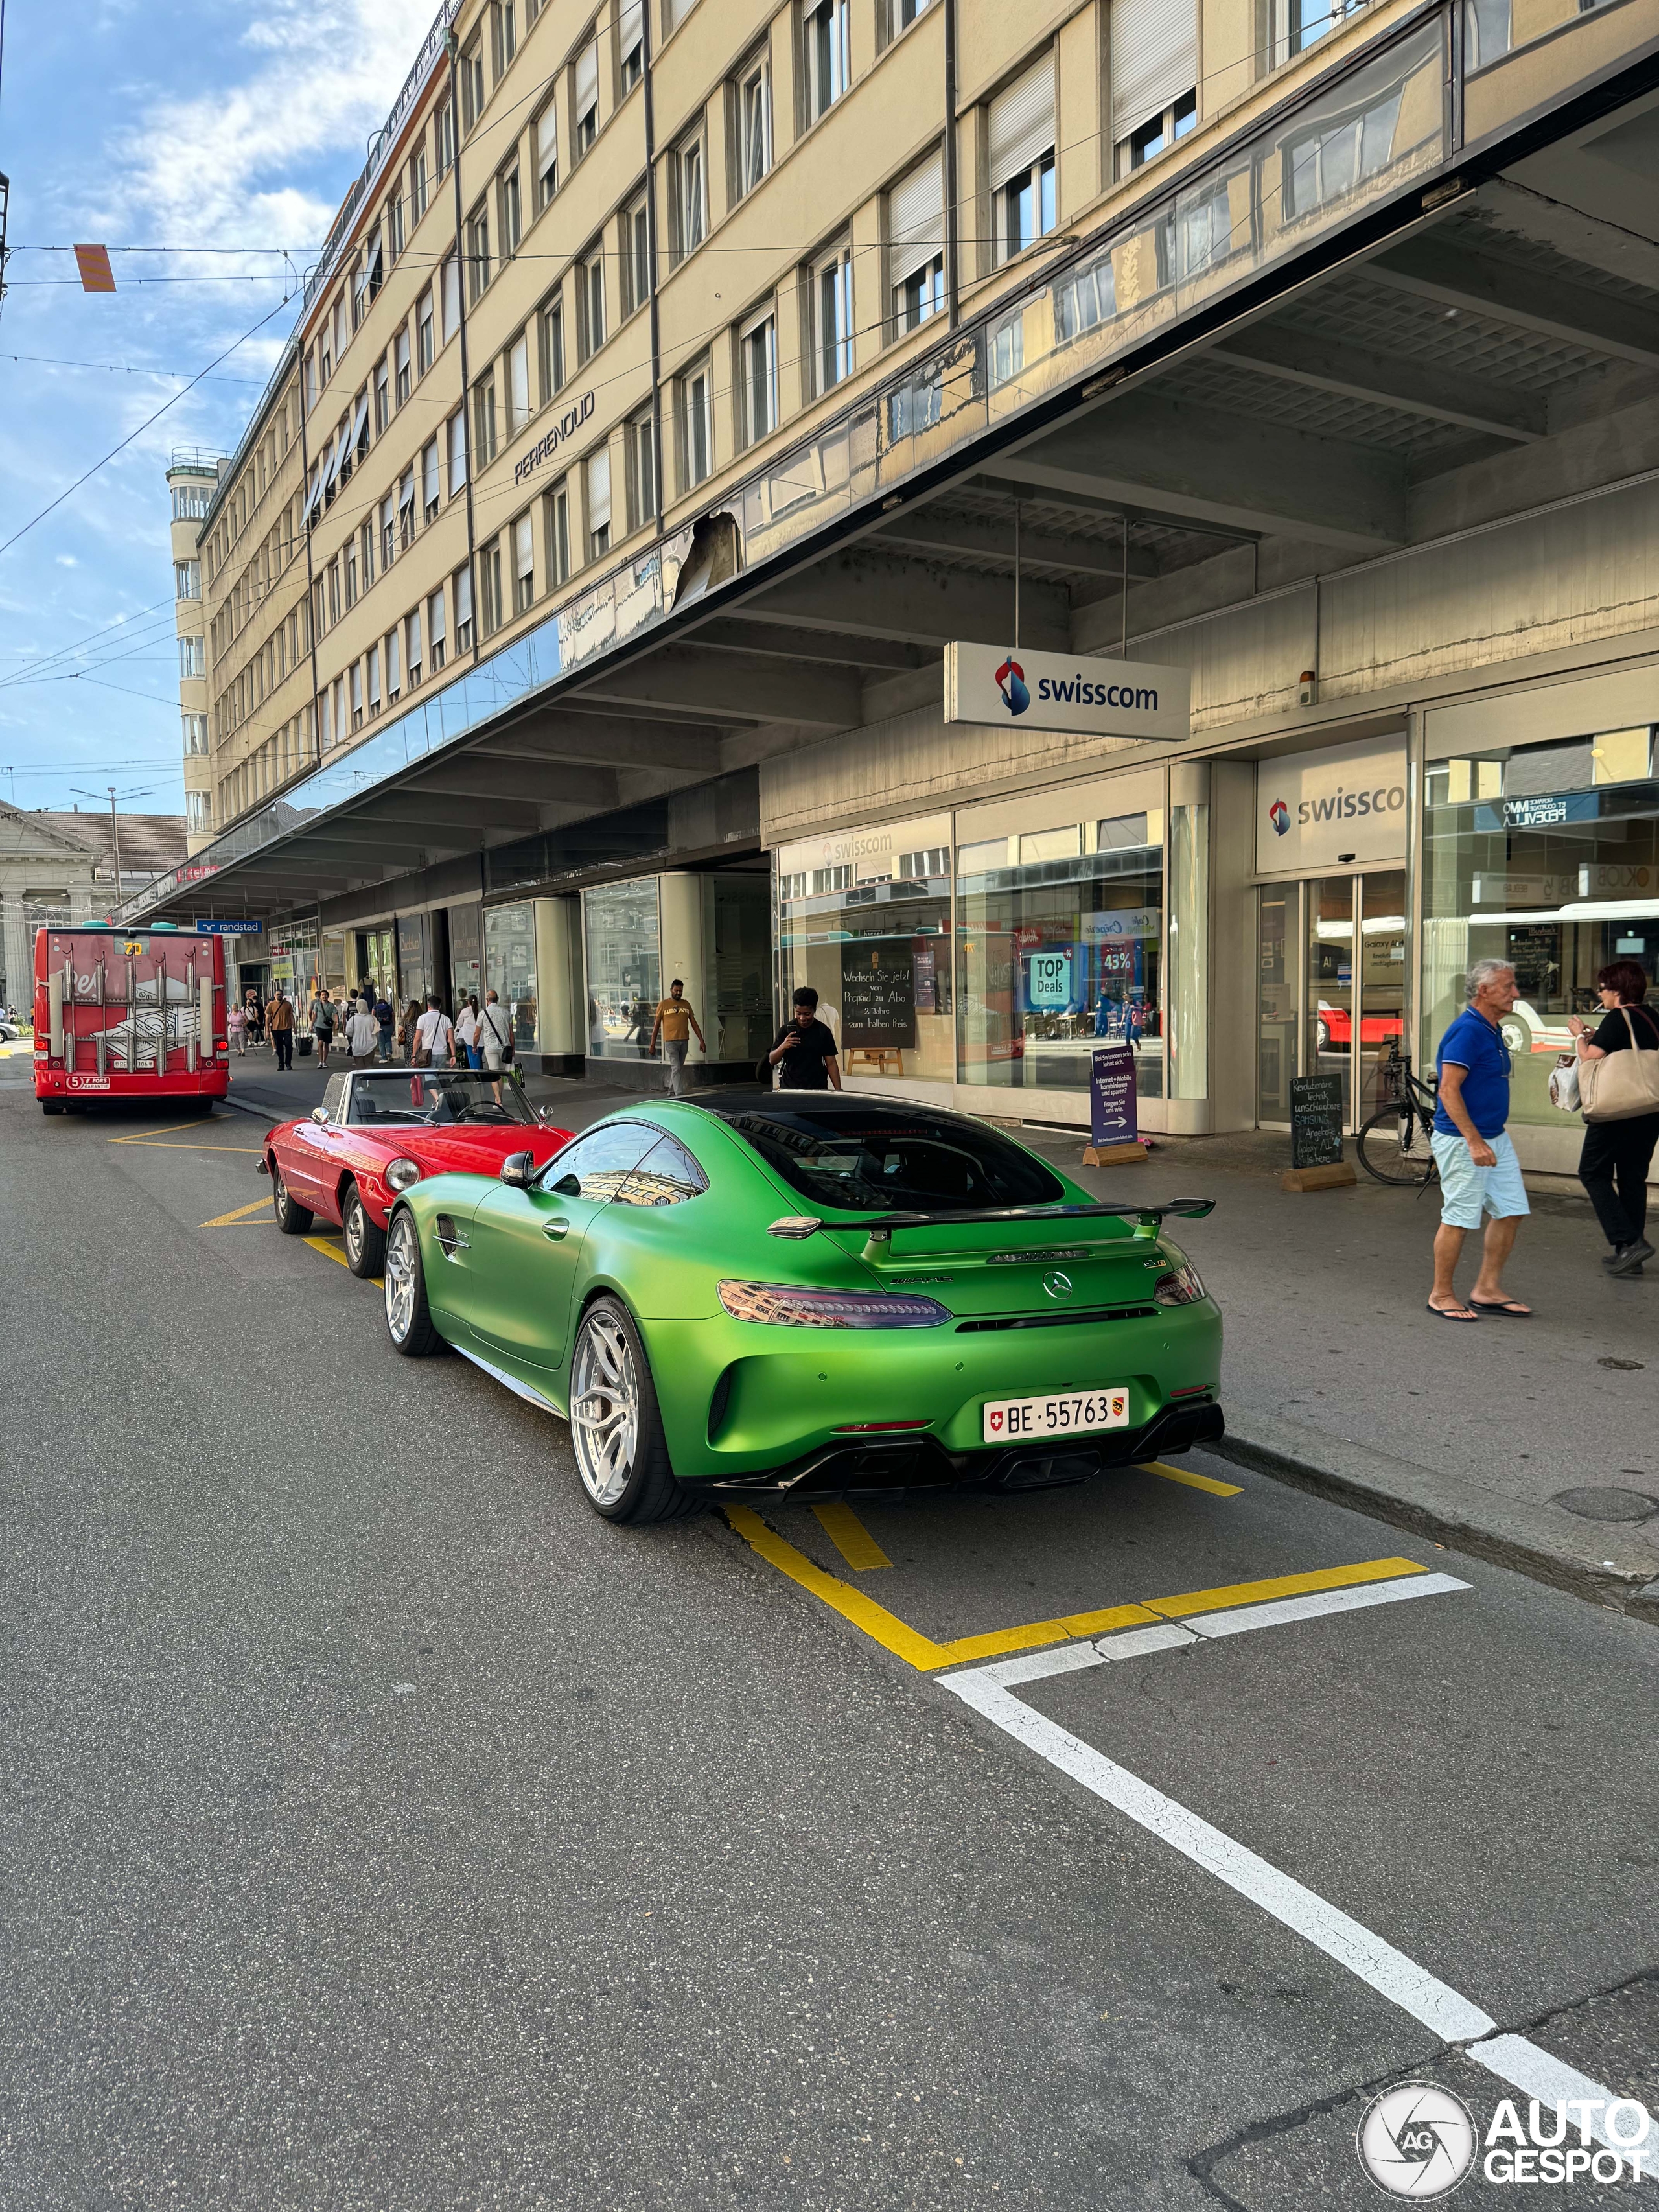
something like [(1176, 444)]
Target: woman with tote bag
[(1618, 1089)]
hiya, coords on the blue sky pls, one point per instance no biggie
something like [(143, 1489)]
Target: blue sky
[(186, 127)]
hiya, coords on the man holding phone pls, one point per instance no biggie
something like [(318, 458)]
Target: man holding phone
[(805, 1049)]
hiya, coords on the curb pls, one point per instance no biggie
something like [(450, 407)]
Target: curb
[(1394, 1491)]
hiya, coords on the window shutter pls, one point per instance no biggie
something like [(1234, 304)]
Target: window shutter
[(1022, 123), (915, 219), (463, 595), (631, 27), (598, 491), (587, 79), (547, 139), (524, 551), (1154, 59)]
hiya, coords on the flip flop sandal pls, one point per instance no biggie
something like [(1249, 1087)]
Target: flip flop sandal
[(1441, 1313), (1509, 1309)]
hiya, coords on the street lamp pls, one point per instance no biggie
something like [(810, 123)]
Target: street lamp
[(114, 822)]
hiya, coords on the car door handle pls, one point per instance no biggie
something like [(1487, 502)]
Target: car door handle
[(554, 1229)]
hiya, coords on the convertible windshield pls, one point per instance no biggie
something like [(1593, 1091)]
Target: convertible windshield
[(874, 1158), (437, 1097)]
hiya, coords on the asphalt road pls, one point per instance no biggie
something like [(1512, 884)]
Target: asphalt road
[(381, 1829)]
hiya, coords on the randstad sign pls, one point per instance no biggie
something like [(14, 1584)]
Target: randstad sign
[(1008, 685)]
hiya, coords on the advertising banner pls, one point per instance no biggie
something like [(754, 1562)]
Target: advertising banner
[(878, 994)]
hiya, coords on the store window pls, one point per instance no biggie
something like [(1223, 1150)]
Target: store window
[(622, 923), (865, 919), (1060, 932), (465, 945), (509, 946), (1546, 855)]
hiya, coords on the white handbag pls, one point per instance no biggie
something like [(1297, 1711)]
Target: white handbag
[(1624, 1084), (1564, 1085)]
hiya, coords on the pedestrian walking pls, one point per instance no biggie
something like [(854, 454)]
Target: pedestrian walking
[(676, 1020), (804, 1051), (362, 1035), (1479, 1174), (386, 1020), (236, 1023), (495, 1038), (256, 1016), (435, 1036), (466, 1031), (279, 1020), (1618, 1146), (407, 1024), (322, 1025)]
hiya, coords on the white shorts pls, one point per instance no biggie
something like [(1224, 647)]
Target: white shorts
[(1468, 1191)]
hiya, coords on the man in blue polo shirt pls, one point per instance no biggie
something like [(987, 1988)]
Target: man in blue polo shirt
[(1479, 1171)]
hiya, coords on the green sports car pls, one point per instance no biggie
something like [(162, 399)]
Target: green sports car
[(813, 1292)]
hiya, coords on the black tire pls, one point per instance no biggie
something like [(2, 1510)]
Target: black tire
[(625, 1472), (1394, 1148), (52, 1106), (408, 1317), (365, 1240), (292, 1218)]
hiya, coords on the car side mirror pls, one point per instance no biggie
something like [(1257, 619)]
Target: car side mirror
[(320, 1114), (517, 1170)]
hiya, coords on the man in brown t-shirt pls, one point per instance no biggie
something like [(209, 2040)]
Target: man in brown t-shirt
[(674, 1024), (279, 1027)]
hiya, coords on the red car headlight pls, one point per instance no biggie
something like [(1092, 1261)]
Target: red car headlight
[(1180, 1288), (796, 1307), (400, 1173)]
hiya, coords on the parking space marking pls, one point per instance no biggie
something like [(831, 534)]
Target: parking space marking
[(330, 1251), (926, 1655), (1192, 1480), (140, 1136), (172, 1145), (851, 1538), (241, 1214)]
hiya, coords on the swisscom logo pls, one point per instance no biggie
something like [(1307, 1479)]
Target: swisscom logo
[(1279, 815), (1011, 681)]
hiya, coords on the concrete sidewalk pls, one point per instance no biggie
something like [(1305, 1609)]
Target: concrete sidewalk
[(1336, 1378)]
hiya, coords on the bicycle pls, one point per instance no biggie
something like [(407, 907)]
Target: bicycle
[(1394, 1145)]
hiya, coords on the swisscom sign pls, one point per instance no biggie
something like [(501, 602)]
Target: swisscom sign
[(1000, 685), (1341, 807)]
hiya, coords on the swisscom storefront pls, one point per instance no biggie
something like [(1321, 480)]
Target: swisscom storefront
[(1296, 902)]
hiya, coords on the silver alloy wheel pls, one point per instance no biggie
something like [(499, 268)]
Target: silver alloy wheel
[(604, 1408), (400, 1265), (279, 1195), (355, 1221)]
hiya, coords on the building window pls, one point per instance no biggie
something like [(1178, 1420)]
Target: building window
[(547, 154), (400, 355), (382, 398), (590, 298), (518, 384), (394, 226), (1154, 67), (826, 42), (556, 520), (418, 186), (445, 139), (412, 647), (478, 253), (198, 811), (503, 38), (598, 503), (1020, 156), (463, 585), (394, 682), (915, 248), (757, 369), (832, 317), (429, 481), (898, 15), (435, 629), (1158, 134), (696, 422), (191, 658), (588, 96), (524, 565), (388, 531), (369, 551), (310, 384), (691, 195), (472, 84), (452, 284), (550, 334), (196, 733), (457, 432), (374, 681), (512, 223), (356, 694), (641, 470), (635, 242), (406, 510), (186, 580), (342, 333), (630, 43), (754, 119), (423, 346), (484, 418), (489, 588)]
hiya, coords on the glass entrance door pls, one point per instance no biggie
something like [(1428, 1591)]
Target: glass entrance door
[(1382, 981), (1278, 932), (1330, 987), (1329, 993)]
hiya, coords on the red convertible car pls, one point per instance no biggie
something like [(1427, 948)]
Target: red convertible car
[(380, 1129)]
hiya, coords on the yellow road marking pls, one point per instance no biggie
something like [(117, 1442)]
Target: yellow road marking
[(241, 1213), (923, 1653), (851, 1538), (139, 1136), (169, 1144), (329, 1249), (1193, 1481)]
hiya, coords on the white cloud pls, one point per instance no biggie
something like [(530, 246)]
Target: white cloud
[(67, 560)]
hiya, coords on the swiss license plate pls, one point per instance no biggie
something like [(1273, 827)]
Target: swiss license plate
[(1014, 1421)]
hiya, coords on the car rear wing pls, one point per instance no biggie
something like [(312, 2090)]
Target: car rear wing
[(882, 1227)]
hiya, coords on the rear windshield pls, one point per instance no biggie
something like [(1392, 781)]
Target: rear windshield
[(886, 1158)]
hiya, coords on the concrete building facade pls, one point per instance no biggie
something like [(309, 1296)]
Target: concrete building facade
[(681, 384), (192, 476)]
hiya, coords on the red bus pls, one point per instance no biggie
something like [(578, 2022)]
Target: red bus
[(128, 1013)]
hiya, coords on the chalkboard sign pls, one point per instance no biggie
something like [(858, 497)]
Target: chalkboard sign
[(878, 994), (1315, 1121)]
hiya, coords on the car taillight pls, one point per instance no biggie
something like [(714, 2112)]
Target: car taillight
[(1181, 1288), (794, 1307), (400, 1173)]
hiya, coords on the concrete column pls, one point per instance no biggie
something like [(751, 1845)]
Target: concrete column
[(685, 952)]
